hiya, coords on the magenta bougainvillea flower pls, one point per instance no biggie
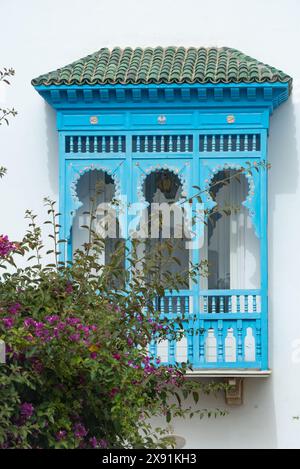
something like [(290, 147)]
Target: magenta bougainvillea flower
[(14, 309), (6, 246), (79, 430), (8, 322), (69, 288), (61, 435), (103, 443), (26, 410), (117, 356), (98, 443)]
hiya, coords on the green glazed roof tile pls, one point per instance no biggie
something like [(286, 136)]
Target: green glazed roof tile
[(160, 65)]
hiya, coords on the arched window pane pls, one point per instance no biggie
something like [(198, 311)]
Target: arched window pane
[(96, 191), (231, 247), (164, 187)]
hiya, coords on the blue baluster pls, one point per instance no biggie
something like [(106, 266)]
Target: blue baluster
[(240, 340), (246, 303), (213, 304), (146, 143), (119, 144), (221, 142), (220, 342), (162, 306), (138, 143), (178, 305), (205, 304), (186, 143), (229, 304), (246, 143), (229, 143), (238, 143), (254, 142), (178, 143), (205, 143), (213, 143), (190, 339), (254, 304), (186, 305), (221, 304), (238, 304), (170, 306), (201, 342), (172, 357), (258, 340), (153, 350), (111, 144), (71, 144)]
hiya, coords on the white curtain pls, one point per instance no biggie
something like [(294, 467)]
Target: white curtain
[(231, 246), (163, 186), (97, 184)]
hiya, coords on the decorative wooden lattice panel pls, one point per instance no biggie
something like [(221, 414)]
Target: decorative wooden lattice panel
[(95, 144), (162, 143), (230, 143)]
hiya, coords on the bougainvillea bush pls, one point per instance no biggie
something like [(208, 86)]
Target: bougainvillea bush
[(78, 373)]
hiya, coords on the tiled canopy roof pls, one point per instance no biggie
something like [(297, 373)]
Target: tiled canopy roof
[(163, 65)]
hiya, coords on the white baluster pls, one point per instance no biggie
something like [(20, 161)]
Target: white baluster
[(249, 346), (181, 350), (230, 347), (211, 346)]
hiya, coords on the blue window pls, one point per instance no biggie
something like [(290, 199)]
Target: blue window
[(153, 136)]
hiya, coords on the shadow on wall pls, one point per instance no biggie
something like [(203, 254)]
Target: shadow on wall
[(283, 179), (283, 153), (52, 146), (249, 426)]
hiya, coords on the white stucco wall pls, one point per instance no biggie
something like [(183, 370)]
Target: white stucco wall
[(38, 36)]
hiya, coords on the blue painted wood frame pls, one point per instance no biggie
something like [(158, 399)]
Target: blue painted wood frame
[(194, 110)]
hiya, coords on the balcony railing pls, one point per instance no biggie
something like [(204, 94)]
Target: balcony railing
[(222, 329)]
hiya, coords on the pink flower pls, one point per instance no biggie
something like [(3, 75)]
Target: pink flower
[(69, 288), (93, 442), (6, 247), (113, 392), (73, 321), (75, 337), (117, 356), (79, 430), (103, 443), (26, 410), (52, 319), (61, 326), (8, 322), (28, 322), (14, 309), (129, 341), (37, 365), (61, 435)]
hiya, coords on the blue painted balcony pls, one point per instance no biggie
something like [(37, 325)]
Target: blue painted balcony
[(229, 330), (155, 134)]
